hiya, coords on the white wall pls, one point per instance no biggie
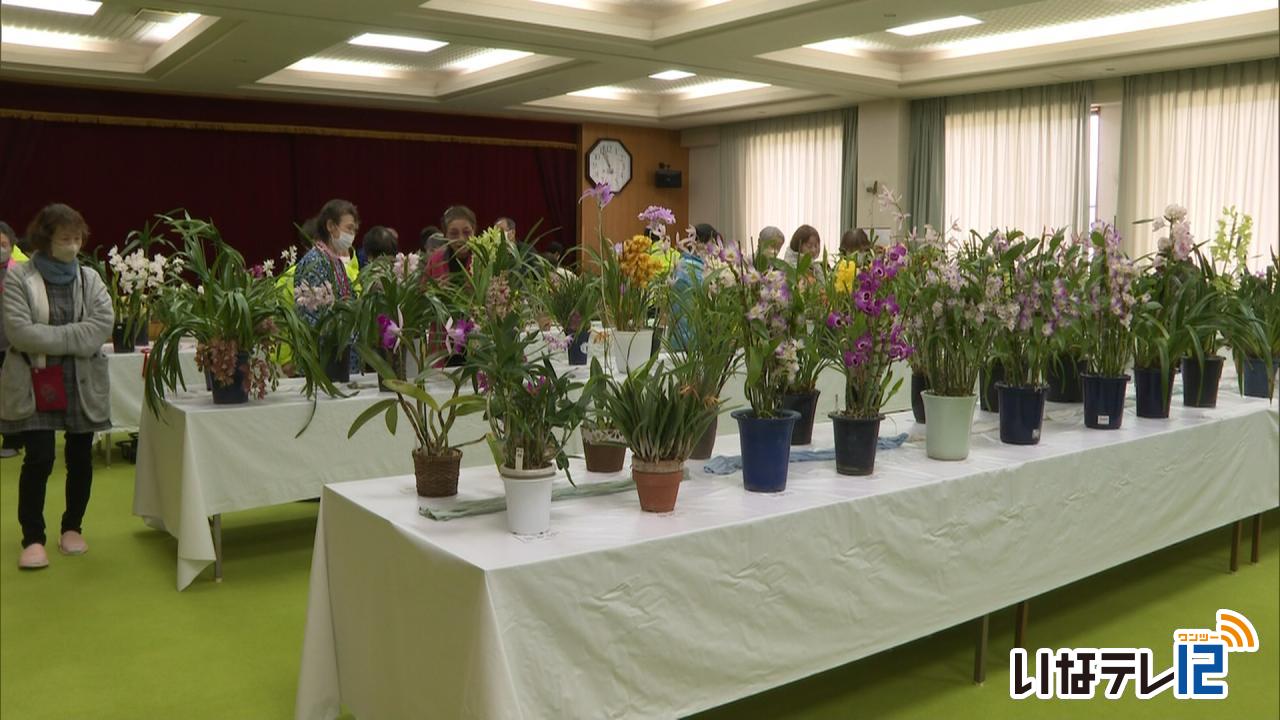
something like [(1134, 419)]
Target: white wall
[(884, 129)]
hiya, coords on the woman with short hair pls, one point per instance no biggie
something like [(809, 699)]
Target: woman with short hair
[(57, 316)]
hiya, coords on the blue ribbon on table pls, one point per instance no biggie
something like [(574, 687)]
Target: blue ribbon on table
[(729, 464)]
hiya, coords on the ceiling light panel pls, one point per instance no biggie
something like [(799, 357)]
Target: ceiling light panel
[(166, 31), (331, 66), (932, 26), (486, 59), (721, 87), (397, 42), (672, 75), (48, 39), (602, 92), (72, 7)]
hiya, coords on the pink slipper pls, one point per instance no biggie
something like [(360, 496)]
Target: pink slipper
[(33, 557), (72, 543)]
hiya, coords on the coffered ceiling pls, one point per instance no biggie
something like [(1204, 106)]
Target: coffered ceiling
[(715, 60)]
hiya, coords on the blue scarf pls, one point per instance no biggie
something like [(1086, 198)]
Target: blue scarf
[(55, 271)]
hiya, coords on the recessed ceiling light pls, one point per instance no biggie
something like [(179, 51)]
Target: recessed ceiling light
[(931, 26), (47, 39), (397, 42), (721, 87), (671, 75), (166, 31), (487, 59), (74, 7), (344, 67), (602, 92), (839, 45), (1153, 19)]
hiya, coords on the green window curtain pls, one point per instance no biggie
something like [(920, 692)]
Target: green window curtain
[(926, 156)]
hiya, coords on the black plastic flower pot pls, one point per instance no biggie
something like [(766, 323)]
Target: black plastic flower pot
[(1063, 378), (119, 342), (856, 442), (919, 383), (988, 376), (1151, 395), (236, 393), (339, 368), (1021, 413), (807, 405), (1103, 401), (1200, 381)]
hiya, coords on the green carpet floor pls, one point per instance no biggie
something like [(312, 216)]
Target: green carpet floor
[(105, 636)]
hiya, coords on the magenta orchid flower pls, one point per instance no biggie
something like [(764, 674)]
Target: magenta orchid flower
[(602, 193), (390, 332)]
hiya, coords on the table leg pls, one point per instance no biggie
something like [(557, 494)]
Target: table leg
[(1236, 528), (980, 651), (1257, 539), (217, 548), (1020, 613)]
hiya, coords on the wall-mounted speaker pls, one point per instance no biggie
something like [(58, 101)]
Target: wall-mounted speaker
[(665, 177)]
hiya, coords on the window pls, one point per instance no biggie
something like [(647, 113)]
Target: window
[(784, 172), (1095, 118), (1205, 139), (1019, 159)]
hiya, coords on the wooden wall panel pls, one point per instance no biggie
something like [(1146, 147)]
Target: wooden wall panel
[(648, 146)]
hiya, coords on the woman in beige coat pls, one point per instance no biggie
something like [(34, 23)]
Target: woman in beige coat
[(57, 316)]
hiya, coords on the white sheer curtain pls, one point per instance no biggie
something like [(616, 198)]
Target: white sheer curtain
[(1018, 159), (784, 172), (1204, 138)]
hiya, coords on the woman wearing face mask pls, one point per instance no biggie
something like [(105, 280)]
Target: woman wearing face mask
[(333, 232), (57, 316), (459, 226)]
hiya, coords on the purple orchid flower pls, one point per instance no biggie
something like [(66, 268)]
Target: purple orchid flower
[(389, 331), (602, 193)]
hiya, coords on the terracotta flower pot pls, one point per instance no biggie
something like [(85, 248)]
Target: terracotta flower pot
[(436, 475), (603, 457), (657, 484), (707, 443)]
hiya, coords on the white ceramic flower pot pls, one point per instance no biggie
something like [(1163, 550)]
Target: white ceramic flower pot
[(528, 500), (950, 423), (631, 349)]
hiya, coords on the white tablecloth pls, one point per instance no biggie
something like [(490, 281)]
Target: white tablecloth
[(619, 613), (127, 395)]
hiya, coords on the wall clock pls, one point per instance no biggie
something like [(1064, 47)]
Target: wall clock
[(609, 161)]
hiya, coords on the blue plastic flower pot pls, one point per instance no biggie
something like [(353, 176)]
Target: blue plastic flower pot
[(1255, 379), (1021, 413), (1103, 401), (578, 348), (766, 449), (1200, 382)]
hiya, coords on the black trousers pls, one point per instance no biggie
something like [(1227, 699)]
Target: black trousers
[(37, 466)]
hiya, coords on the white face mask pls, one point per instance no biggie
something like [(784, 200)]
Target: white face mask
[(344, 242), (5, 254), (64, 252)]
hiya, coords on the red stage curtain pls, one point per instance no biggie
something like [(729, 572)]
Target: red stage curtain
[(256, 185)]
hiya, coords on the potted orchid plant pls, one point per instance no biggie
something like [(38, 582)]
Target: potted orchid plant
[(1107, 326), (805, 317), (1175, 300), (1029, 316), (571, 300), (953, 322), (771, 357), (865, 336), (604, 447), (529, 405), (237, 318), (1251, 301), (135, 280), (627, 276), (1065, 272), (661, 418)]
